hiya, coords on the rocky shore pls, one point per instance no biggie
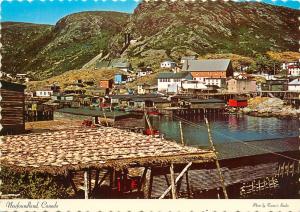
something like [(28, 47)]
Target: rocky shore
[(270, 107)]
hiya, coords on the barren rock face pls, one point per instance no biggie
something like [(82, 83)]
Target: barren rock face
[(171, 28), (215, 27)]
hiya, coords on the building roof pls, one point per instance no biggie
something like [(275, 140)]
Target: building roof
[(168, 61), (206, 65), (188, 57), (12, 86), (171, 75), (130, 96), (81, 148), (295, 82), (207, 101)]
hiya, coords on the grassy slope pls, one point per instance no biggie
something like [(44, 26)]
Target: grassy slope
[(70, 76), (72, 42)]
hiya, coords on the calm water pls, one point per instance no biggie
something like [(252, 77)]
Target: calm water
[(227, 128)]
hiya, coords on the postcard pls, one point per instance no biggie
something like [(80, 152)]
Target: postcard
[(195, 104)]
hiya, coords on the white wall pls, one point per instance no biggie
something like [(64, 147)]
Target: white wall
[(209, 81), (163, 84), (141, 90), (294, 72), (167, 64), (44, 93), (294, 88)]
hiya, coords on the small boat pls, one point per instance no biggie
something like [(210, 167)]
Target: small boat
[(153, 113), (151, 132)]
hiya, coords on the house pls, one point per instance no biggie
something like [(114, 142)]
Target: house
[(172, 82), (275, 85), (142, 88), (22, 77), (293, 68), (157, 103), (106, 83), (294, 85), (12, 108), (130, 78), (266, 76), (242, 75), (74, 88), (185, 58), (168, 64), (206, 103), (193, 85), (241, 85), (211, 72), (45, 92), (96, 91), (120, 78), (143, 72), (238, 102), (151, 89)]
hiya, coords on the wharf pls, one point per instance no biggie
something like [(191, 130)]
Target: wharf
[(115, 115)]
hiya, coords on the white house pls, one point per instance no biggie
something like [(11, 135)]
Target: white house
[(266, 76), (44, 93), (294, 85), (143, 72), (141, 88), (293, 68), (168, 64), (193, 85), (172, 82)]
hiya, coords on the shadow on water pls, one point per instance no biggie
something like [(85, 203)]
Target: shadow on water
[(225, 128), (228, 128)]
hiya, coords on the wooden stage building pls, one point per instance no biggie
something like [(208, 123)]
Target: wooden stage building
[(12, 105)]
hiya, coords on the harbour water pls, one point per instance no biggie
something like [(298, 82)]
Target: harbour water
[(226, 128)]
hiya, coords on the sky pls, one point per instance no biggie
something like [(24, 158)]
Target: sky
[(50, 11)]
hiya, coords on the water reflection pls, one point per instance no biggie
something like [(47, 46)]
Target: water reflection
[(227, 128)]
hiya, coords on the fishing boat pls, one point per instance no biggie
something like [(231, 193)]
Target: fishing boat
[(153, 113)]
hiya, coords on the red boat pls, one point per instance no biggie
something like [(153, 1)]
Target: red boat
[(153, 113), (151, 132)]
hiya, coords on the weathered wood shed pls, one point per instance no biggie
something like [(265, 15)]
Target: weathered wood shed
[(13, 107)]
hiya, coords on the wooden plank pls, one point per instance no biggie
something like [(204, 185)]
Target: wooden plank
[(167, 180), (70, 177), (177, 179), (85, 185), (181, 133), (283, 169), (217, 161), (188, 184), (90, 181), (147, 183), (150, 185), (173, 188), (112, 178), (142, 180)]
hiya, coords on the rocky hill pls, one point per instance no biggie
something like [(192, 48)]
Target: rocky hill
[(44, 51), (162, 30), (180, 27)]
